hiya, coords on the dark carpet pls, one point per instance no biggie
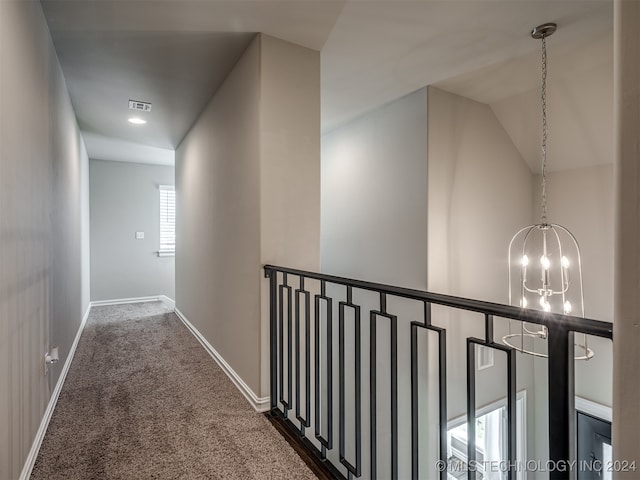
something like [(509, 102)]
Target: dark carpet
[(144, 400)]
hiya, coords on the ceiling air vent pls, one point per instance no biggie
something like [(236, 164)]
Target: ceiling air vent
[(140, 106)]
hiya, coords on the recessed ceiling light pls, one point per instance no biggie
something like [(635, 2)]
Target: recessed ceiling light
[(137, 121)]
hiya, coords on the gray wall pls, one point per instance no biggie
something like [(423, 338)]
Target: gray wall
[(582, 200), (374, 195), (124, 200), (44, 280), (480, 194), (247, 180)]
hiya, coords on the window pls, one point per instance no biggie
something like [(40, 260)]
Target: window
[(167, 220), (484, 358), (491, 438)]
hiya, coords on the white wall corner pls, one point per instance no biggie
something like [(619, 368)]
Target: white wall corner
[(167, 301), (260, 404), (44, 424)]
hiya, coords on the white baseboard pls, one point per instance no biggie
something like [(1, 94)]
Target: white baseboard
[(37, 442), (260, 404), (167, 301), (122, 301)]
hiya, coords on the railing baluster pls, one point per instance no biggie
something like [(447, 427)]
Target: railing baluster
[(307, 359), (287, 404), (304, 422), (471, 409), (358, 386), (394, 397), (511, 413), (297, 356), (442, 393), (393, 339), (372, 396), (317, 321), (281, 345), (289, 346), (414, 401), (341, 394), (354, 469), (327, 443), (442, 384), (273, 327), (511, 391)]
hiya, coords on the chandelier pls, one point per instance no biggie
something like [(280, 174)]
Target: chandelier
[(545, 269)]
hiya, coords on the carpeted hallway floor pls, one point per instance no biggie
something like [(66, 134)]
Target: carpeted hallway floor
[(144, 400)]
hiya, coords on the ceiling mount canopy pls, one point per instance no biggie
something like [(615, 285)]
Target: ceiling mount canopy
[(544, 30)]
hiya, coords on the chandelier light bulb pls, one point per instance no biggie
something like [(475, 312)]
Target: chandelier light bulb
[(565, 262), (524, 302), (525, 260), (544, 261), (546, 306), (567, 307)]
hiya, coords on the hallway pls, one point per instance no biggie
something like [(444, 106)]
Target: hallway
[(167, 164), (143, 399)]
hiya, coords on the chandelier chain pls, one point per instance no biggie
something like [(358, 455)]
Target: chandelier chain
[(544, 131)]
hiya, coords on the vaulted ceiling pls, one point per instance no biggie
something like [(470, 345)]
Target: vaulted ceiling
[(579, 101), (176, 53)]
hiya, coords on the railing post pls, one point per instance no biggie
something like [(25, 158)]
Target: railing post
[(561, 396)]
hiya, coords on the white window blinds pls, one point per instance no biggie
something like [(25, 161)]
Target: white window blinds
[(167, 220)]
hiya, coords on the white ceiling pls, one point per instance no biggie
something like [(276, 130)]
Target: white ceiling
[(176, 72), (175, 53), (171, 53)]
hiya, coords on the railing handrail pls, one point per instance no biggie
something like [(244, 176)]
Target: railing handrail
[(588, 326)]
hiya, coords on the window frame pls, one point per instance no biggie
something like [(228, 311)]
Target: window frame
[(166, 249)]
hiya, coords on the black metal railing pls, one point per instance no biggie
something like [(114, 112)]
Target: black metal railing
[(296, 332)]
